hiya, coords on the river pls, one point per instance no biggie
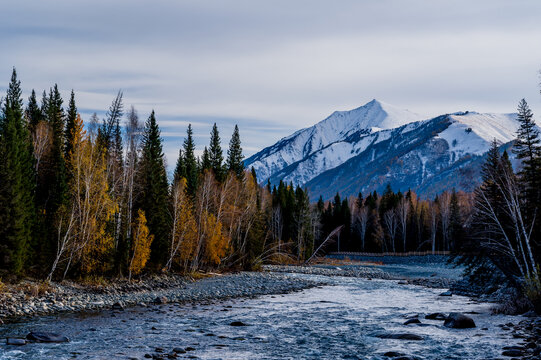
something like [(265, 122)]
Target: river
[(335, 321)]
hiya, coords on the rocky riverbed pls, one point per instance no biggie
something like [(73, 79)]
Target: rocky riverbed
[(31, 299)]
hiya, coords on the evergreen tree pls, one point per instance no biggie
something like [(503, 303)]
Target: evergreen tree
[(205, 160), (190, 162), (180, 168), (33, 112), (154, 191), (527, 148), (16, 182), (57, 193), (234, 155), (71, 117), (216, 156)]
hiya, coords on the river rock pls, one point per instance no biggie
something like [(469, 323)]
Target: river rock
[(15, 341), (436, 316), (393, 354), (412, 321), (118, 306), (447, 293), (46, 337), (459, 321), (400, 336), (512, 353), (238, 323), (160, 300)]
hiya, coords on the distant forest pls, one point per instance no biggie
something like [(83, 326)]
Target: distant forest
[(93, 199)]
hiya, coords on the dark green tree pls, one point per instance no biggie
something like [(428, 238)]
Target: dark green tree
[(527, 148), (33, 112), (155, 191), (17, 184), (180, 168), (205, 160), (216, 154), (235, 158), (71, 117), (190, 162)]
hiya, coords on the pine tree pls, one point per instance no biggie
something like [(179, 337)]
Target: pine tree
[(216, 156), (58, 182), (235, 158), (205, 161), (33, 112), (154, 191), (528, 149), (71, 117), (180, 168), (190, 162), (16, 182)]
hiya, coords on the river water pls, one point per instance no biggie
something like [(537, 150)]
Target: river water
[(335, 321)]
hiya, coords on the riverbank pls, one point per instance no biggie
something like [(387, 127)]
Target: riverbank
[(30, 298)]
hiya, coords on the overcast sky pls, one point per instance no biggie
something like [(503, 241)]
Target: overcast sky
[(274, 66)]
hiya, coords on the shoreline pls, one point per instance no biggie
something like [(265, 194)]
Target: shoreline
[(69, 297)]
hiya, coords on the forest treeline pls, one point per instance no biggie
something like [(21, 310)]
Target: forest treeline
[(92, 199), (82, 199)]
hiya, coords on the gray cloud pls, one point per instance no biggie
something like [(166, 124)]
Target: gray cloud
[(274, 67)]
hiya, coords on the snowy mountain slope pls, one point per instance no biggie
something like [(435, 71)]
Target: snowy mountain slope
[(369, 118), (376, 144)]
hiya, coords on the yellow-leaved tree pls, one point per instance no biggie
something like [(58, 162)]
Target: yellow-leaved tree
[(91, 203), (215, 242), (184, 236), (140, 246)]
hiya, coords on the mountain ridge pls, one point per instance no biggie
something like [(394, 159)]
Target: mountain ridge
[(365, 148)]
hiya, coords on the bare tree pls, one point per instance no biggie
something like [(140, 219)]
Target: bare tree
[(444, 202), (133, 142), (361, 222), (505, 230), (42, 140), (402, 212)]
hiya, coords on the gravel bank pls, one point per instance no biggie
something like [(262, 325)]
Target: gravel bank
[(349, 271), (71, 297)]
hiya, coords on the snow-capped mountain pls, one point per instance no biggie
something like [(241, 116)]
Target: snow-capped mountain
[(366, 148)]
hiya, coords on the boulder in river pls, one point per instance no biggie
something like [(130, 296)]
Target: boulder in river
[(15, 341), (46, 337), (238, 323), (412, 321), (436, 316), (447, 293), (459, 321), (400, 336)]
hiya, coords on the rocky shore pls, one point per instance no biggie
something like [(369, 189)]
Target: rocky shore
[(34, 299)]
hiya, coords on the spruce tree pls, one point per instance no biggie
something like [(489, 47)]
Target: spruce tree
[(16, 182), (180, 168), (190, 162), (205, 161), (58, 184), (71, 117), (527, 148), (216, 154), (235, 158), (33, 112), (154, 191)]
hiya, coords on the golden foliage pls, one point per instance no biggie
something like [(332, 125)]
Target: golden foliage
[(142, 240), (184, 241), (215, 241), (92, 204)]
